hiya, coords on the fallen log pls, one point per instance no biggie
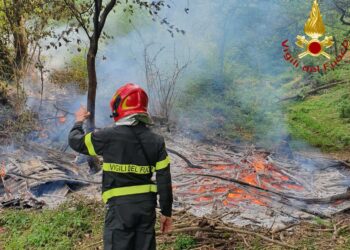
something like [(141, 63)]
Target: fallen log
[(311, 92)]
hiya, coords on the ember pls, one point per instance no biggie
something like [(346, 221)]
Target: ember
[(253, 182)]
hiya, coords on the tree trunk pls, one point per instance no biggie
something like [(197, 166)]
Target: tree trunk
[(91, 97), (19, 37)]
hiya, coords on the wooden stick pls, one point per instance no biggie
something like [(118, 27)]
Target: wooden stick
[(284, 228)]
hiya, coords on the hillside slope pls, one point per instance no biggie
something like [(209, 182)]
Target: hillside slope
[(323, 120)]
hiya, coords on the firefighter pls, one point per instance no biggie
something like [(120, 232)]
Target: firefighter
[(131, 154)]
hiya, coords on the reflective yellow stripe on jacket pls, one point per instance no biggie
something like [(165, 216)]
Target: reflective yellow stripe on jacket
[(121, 191), (127, 168), (135, 169), (88, 144), (163, 164)]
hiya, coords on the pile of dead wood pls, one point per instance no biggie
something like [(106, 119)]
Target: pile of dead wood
[(34, 175)]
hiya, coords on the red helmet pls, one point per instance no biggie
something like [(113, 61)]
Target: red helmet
[(129, 99)]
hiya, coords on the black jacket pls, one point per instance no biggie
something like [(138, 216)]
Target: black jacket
[(126, 171)]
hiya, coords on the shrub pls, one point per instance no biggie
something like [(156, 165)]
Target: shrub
[(183, 242), (74, 73)]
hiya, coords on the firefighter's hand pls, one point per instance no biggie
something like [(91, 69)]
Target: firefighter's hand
[(82, 114), (166, 224)]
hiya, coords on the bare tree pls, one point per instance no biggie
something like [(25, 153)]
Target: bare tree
[(93, 27), (162, 85)]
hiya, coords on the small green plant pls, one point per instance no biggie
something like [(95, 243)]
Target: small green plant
[(184, 241), (322, 222)]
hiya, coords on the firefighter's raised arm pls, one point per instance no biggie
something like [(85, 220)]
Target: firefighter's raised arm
[(90, 143)]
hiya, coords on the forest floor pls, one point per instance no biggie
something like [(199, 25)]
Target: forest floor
[(78, 224)]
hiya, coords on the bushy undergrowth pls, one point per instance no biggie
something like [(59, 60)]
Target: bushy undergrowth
[(74, 72)]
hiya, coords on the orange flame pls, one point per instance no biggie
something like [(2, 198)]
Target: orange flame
[(295, 187), (204, 198), (62, 119), (220, 190)]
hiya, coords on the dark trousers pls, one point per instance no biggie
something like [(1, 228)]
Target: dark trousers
[(130, 226)]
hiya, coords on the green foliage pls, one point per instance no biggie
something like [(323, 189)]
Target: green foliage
[(75, 72), (322, 222), (345, 106), (242, 110), (184, 242), (48, 229), (319, 119)]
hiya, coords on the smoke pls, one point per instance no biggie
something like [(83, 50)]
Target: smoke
[(237, 71)]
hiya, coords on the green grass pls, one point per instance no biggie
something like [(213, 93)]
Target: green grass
[(61, 228), (323, 120), (184, 241)]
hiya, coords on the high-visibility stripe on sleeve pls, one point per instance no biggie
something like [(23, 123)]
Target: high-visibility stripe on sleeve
[(163, 164), (88, 144), (127, 168), (121, 191)]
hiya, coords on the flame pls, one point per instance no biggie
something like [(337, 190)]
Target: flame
[(251, 179), (204, 198), (295, 187), (224, 167), (259, 165), (314, 27), (219, 167), (239, 195), (220, 190), (199, 190), (62, 119)]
